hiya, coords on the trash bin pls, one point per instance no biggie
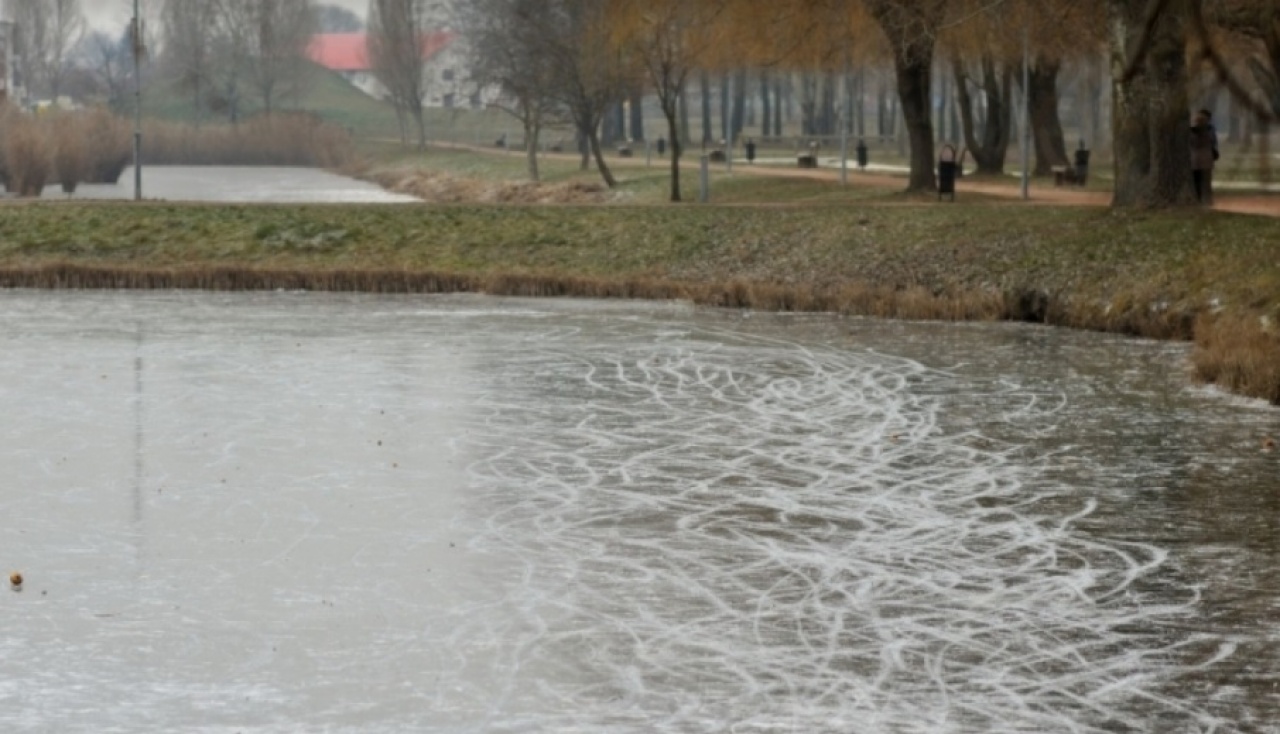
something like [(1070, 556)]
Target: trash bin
[(662, 146), (1082, 165), (751, 150), (947, 168), (861, 153)]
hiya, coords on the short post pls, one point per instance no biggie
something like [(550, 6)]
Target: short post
[(844, 158), (704, 179)]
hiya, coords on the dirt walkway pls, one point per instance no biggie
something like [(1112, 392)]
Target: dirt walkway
[(1041, 193)]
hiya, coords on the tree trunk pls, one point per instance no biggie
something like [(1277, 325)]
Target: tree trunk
[(808, 104), (676, 148), (1046, 126), (724, 106), (990, 152), (766, 116), (684, 118), (594, 140), (1149, 113), (738, 116), (531, 134), (777, 108), (637, 116), (704, 86), (420, 119), (913, 90), (882, 112)]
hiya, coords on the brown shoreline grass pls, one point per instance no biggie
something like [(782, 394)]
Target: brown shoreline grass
[(1201, 276)]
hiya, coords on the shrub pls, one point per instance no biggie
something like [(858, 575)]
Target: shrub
[(71, 159), (27, 156), (109, 143)]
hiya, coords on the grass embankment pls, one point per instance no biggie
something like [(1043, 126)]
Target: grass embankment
[(1212, 277)]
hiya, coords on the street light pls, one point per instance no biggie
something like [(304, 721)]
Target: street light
[(135, 34), (1026, 110)]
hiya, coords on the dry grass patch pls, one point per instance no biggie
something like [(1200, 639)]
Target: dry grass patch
[(438, 187), (1239, 352)]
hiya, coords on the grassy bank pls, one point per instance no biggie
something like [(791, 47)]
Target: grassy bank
[(1211, 277)]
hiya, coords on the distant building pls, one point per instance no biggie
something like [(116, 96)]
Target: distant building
[(442, 56)]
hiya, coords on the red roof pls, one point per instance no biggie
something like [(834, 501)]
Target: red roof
[(349, 51)]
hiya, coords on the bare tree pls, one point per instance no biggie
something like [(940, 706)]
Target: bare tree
[(46, 33), (397, 45), (278, 35), (188, 29), (504, 50), (109, 60), (670, 39), (589, 68)]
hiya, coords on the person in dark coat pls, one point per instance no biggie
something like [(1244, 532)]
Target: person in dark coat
[(1204, 152)]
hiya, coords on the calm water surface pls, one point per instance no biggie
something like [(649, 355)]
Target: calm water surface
[(282, 512)]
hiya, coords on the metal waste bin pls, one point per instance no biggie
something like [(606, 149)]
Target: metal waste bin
[(1082, 165), (947, 168)]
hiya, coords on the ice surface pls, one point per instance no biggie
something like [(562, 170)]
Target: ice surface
[(239, 184), (283, 511)]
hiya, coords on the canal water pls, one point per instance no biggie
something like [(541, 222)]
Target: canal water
[(290, 511), (239, 184)]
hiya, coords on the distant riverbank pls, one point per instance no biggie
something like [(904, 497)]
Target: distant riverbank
[(1211, 277)]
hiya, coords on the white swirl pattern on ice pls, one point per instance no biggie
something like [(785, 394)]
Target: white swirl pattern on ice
[(726, 530)]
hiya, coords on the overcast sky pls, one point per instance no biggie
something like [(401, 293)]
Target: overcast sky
[(110, 14)]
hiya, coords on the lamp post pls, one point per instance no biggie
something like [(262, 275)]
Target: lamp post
[(136, 37), (1026, 112)]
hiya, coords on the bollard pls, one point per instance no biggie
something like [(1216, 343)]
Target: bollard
[(704, 180)]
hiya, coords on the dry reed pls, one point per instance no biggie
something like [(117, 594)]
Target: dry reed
[(71, 161), (283, 139), (27, 156), (1239, 352)]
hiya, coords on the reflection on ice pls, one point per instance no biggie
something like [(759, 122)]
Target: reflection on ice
[(273, 511)]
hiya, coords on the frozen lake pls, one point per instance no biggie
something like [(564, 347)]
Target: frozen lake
[(240, 184), (285, 512)]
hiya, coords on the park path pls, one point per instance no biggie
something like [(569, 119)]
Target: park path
[(1040, 193)]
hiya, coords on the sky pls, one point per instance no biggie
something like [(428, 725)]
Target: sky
[(105, 15)]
